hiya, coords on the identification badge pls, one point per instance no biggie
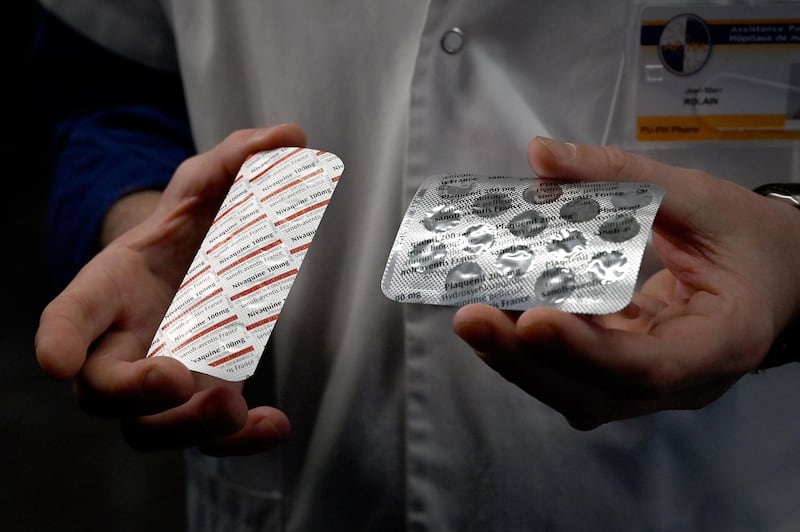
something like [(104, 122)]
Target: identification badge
[(710, 72)]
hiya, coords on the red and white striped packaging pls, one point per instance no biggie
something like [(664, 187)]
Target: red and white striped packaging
[(230, 299)]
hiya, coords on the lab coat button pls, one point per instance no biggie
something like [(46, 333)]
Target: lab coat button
[(453, 41)]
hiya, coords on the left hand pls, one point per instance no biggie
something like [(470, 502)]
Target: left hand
[(729, 286)]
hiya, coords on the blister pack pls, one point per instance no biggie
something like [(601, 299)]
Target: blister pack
[(230, 299), (522, 242)]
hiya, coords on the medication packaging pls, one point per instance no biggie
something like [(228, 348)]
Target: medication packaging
[(227, 305), (517, 243), (514, 243)]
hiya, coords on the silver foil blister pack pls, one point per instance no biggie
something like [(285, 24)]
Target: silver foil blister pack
[(521, 242)]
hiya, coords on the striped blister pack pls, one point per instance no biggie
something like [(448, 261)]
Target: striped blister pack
[(229, 301), (522, 242)]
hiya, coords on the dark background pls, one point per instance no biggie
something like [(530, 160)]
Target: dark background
[(61, 470)]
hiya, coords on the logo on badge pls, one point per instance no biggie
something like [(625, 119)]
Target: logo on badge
[(685, 45)]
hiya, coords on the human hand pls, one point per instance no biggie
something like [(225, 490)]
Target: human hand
[(98, 330), (729, 287)]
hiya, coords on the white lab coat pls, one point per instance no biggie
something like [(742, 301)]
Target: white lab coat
[(396, 424)]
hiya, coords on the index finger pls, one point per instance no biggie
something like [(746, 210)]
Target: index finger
[(75, 319), (690, 191)]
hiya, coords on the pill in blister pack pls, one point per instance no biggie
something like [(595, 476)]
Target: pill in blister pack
[(522, 242)]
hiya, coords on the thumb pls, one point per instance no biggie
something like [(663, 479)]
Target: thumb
[(553, 158), (209, 175), (688, 192)]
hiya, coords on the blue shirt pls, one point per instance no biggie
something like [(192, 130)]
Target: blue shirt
[(123, 128)]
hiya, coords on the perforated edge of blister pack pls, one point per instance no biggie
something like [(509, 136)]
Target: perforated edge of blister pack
[(521, 242)]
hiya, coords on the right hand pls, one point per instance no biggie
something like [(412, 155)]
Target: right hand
[(98, 330)]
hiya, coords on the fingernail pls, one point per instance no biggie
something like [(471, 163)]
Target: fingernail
[(560, 150), (536, 332), (155, 379), (258, 136), (273, 428), (159, 389)]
